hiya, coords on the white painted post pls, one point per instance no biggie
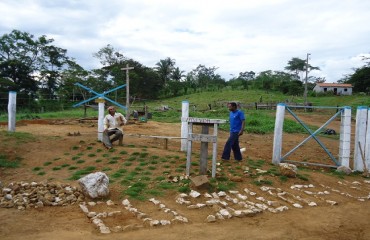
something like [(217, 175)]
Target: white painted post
[(278, 133), (184, 125), (367, 145), (101, 119), (360, 137), (214, 153), (345, 137), (12, 107)]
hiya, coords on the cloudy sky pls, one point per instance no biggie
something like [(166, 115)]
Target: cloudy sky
[(233, 35)]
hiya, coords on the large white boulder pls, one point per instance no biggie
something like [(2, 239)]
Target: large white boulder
[(95, 185)]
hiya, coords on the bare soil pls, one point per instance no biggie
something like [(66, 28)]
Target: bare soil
[(54, 141)]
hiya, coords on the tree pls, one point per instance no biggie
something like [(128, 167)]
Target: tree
[(28, 61), (297, 65), (164, 69), (360, 80)]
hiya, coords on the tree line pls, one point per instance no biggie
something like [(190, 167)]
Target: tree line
[(38, 71)]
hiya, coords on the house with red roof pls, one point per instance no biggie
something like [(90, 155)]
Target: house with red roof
[(335, 88)]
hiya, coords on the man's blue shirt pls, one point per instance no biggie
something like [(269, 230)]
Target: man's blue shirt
[(236, 118)]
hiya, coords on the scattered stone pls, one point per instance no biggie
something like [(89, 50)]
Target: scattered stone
[(24, 195), (194, 194), (110, 203), (211, 218)]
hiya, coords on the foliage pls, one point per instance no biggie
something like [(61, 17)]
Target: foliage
[(360, 80)]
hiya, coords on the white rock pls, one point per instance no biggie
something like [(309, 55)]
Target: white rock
[(8, 197), (282, 208), (242, 197), (117, 229), (91, 214), (207, 195), (6, 190), (332, 202), (126, 202), (263, 188), (104, 229), (194, 194), (110, 203), (221, 194), (165, 222), (262, 199), (153, 200), (211, 218), (312, 204), (95, 185), (212, 201), (225, 213), (154, 223), (233, 192), (84, 208), (297, 205), (91, 203), (219, 216)]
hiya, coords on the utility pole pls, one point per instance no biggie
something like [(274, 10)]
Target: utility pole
[(305, 82), (127, 68)]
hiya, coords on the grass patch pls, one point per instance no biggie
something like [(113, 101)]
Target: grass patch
[(80, 161), (47, 163), (6, 163), (72, 168), (80, 173), (136, 190)]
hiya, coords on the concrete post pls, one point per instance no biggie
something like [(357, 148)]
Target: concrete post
[(345, 137), (367, 145), (278, 133), (184, 125), (360, 138), (101, 105), (12, 107)]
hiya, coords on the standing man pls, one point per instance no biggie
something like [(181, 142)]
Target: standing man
[(112, 123), (237, 124)]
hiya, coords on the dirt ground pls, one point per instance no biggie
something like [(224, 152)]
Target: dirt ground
[(349, 219)]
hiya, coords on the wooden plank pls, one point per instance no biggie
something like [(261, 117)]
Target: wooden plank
[(204, 151), (202, 137), (203, 120)]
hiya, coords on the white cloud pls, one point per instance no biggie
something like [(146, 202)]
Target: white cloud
[(235, 35)]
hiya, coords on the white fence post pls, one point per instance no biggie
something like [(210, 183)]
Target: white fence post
[(12, 108), (278, 133), (101, 104), (345, 137), (360, 138), (367, 144), (184, 125)]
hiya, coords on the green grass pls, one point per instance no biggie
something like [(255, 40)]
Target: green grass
[(80, 173), (6, 163)]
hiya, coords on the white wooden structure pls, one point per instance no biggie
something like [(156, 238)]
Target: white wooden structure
[(336, 88), (204, 137)]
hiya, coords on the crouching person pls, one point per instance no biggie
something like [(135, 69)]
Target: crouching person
[(112, 127)]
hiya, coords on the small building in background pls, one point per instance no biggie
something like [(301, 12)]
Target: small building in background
[(335, 88)]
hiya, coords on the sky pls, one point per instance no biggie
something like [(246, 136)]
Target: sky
[(234, 36)]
